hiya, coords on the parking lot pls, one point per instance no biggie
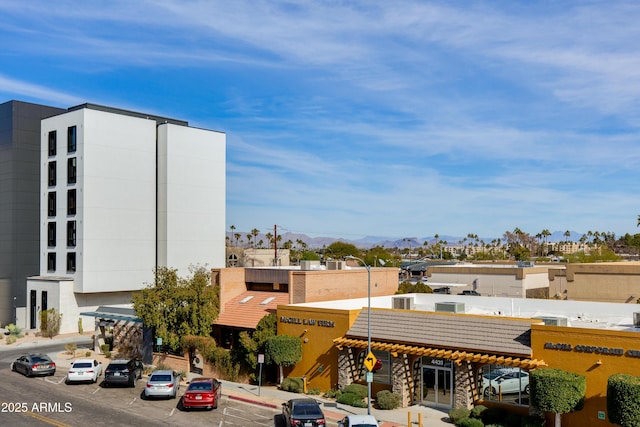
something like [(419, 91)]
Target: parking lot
[(48, 400)]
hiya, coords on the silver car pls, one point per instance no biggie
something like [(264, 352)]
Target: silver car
[(162, 383), (34, 364)]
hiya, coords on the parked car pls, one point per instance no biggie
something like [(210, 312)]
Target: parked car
[(202, 393), (359, 421), (302, 413), (505, 382), (34, 364), (123, 371), (84, 370), (162, 383), (474, 293)]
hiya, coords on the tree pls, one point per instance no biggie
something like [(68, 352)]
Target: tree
[(255, 233), (176, 306), (50, 322), (557, 391), (340, 249), (283, 350), (252, 344), (623, 395)]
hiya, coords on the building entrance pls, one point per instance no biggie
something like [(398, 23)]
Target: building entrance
[(436, 382)]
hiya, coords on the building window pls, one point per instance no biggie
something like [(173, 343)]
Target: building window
[(51, 234), (51, 203), (53, 142), (382, 368), (71, 139), (71, 262), (505, 384), (71, 233), (52, 173), (44, 300), (71, 202), (71, 170), (51, 261)]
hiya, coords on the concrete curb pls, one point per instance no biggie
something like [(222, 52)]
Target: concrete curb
[(253, 402)]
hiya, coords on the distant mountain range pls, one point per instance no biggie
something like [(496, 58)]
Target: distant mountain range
[(372, 241)]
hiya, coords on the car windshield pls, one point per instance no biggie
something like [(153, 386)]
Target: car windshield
[(307, 408), (160, 378), (82, 365)]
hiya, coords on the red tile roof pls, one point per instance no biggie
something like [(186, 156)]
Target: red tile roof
[(247, 314)]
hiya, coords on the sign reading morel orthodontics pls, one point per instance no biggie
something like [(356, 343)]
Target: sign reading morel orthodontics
[(310, 322), (615, 351)]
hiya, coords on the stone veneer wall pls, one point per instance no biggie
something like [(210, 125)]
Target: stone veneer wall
[(464, 385), (402, 379)]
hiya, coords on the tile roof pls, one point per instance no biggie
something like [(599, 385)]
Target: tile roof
[(444, 330), (247, 314)]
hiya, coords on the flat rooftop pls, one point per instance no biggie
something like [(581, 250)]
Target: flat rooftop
[(579, 314)]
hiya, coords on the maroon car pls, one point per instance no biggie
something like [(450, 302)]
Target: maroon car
[(202, 393)]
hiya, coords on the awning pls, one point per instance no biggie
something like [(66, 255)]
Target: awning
[(455, 355), (114, 313)]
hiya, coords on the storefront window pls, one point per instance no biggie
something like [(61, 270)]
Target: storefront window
[(505, 384), (382, 371)]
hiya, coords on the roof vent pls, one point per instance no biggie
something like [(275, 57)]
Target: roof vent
[(450, 307), (403, 303)]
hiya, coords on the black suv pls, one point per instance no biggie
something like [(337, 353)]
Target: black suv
[(123, 371)]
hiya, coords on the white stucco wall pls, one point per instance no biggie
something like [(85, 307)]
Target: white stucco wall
[(191, 197)]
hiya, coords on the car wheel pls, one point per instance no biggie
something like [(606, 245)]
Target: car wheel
[(526, 389), (28, 373), (13, 366), (489, 391)]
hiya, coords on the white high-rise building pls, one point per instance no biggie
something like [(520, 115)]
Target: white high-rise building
[(123, 193)]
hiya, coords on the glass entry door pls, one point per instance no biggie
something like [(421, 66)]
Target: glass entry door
[(436, 386)]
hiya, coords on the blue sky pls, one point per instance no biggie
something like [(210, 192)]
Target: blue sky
[(358, 118)]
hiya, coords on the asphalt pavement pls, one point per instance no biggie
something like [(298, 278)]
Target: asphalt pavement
[(270, 396)]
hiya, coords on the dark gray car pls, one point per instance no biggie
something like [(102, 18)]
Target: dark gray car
[(302, 412), (34, 364), (123, 371)]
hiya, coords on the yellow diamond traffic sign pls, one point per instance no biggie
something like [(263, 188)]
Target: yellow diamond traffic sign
[(370, 361)]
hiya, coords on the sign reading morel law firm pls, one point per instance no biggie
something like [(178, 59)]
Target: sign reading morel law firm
[(310, 322)]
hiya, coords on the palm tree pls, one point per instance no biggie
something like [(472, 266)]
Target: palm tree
[(255, 233), (638, 225), (237, 236), (233, 228)]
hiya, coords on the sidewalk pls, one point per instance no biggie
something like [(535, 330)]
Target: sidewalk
[(268, 396)]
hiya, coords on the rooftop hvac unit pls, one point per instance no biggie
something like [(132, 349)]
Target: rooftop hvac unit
[(523, 264), (335, 265), (307, 265), (450, 307), (403, 303), (553, 321), (636, 319)]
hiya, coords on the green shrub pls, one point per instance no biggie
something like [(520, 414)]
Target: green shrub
[(357, 389), (388, 400), (623, 394), (496, 425), (470, 422), (477, 411), (11, 339), (513, 420), (351, 399), (292, 384), (70, 348), (80, 328), (105, 348), (493, 415), (456, 414), (532, 421), (332, 393), (87, 353), (314, 391), (14, 330)]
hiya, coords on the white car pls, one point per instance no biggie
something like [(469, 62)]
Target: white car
[(84, 370), (358, 421), (505, 382)]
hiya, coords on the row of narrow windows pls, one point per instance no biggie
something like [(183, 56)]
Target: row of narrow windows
[(71, 141), (71, 202), (71, 262), (72, 175)]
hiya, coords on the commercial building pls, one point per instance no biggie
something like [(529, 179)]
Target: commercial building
[(122, 193), (248, 294), (448, 350), (19, 201)]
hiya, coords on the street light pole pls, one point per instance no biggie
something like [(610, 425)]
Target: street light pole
[(368, 324)]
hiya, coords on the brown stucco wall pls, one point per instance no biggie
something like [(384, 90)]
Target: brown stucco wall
[(604, 282), (231, 282)]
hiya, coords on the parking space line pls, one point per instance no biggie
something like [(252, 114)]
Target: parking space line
[(61, 379), (172, 411), (133, 401), (95, 391)]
